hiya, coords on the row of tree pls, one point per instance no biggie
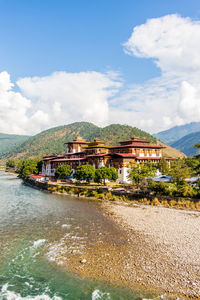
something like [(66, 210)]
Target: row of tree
[(179, 169), (88, 173)]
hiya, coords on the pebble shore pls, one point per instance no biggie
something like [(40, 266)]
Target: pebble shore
[(155, 249), (168, 256)]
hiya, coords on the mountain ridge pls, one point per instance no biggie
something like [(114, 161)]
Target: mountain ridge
[(175, 133), (187, 142), (51, 141)]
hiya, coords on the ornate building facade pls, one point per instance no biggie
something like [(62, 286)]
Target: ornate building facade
[(96, 153)]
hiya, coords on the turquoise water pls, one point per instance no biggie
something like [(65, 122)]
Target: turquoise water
[(33, 226)]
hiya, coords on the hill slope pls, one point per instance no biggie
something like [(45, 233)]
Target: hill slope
[(186, 143), (8, 141), (175, 133), (52, 141)]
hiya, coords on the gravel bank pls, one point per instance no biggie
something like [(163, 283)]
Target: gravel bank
[(167, 254)]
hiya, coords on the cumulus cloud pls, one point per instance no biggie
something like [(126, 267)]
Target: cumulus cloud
[(64, 97), (173, 98), (13, 107), (59, 98), (171, 41)]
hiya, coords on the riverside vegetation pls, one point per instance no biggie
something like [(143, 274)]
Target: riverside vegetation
[(177, 193)]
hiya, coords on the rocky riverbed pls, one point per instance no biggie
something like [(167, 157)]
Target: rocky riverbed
[(167, 255), (154, 248)]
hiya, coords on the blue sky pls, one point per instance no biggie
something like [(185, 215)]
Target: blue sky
[(39, 38)]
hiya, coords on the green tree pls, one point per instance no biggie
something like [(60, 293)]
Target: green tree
[(12, 163), (163, 166), (28, 167), (63, 171), (140, 171), (86, 172), (194, 164), (113, 174), (103, 173), (179, 171)]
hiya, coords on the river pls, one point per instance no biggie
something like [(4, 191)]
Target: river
[(33, 224)]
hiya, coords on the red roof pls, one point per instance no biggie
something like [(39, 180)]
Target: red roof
[(137, 146), (53, 156), (135, 141), (37, 176), (76, 142), (125, 154), (69, 159), (148, 157), (71, 153), (97, 155), (49, 158)]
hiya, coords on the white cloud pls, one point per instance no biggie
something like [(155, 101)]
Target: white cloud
[(171, 40), (57, 99), (62, 97), (189, 105), (172, 99), (13, 107)]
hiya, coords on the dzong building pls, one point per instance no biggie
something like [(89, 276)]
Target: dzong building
[(96, 153)]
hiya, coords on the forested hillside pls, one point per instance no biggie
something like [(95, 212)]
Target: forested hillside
[(8, 141), (52, 141)]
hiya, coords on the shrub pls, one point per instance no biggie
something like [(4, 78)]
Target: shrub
[(187, 204), (155, 202), (108, 196), (172, 203), (165, 203), (84, 191), (187, 191), (115, 198), (71, 191), (197, 205), (192, 205), (162, 188), (93, 194), (145, 201), (181, 203), (101, 196)]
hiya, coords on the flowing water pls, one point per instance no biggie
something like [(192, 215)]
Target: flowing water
[(33, 225)]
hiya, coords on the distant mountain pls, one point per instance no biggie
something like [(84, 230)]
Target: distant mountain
[(175, 133), (9, 141), (50, 142), (186, 143)]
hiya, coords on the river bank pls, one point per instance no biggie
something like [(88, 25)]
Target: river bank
[(117, 194), (157, 249), (168, 254)]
